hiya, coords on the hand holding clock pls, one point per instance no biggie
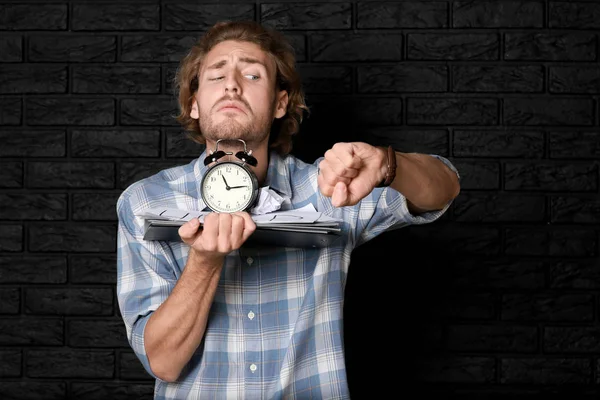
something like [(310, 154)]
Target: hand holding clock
[(220, 234)]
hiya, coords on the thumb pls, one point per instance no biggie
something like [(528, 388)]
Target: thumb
[(340, 194), (189, 229)]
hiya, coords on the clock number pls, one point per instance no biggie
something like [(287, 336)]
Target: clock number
[(228, 169)]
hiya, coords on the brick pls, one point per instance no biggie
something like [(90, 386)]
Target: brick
[(478, 174), (153, 112), (401, 78), (33, 143), (574, 80), (493, 79), (43, 206), (40, 17), (456, 369), (574, 144), (468, 306), (452, 111), (306, 15), (371, 111), (72, 48), (11, 238), (17, 79), (197, 16), (412, 14), (575, 210), (113, 391), (133, 172), (69, 301), (11, 174), (498, 143), (11, 48), (551, 176), (115, 17), (70, 363), (94, 206), (31, 332), (33, 390), (497, 273), (574, 274), (561, 339), (548, 111), (535, 46), (432, 141), (76, 238), (574, 15), (466, 240), (74, 175), (179, 145), (498, 14), (116, 80), (557, 242), (492, 338), (156, 48), (452, 46), (130, 367), (345, 46), (10, 363), (569, 307), (98, 333), (323, 79), (29, 269), (115, 143), (93, 269), (545, 371), (10, 111), (298, 43), (10, 298), (70, 111), (499, 207)]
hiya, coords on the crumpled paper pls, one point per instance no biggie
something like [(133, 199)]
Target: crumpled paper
[(268, 201)]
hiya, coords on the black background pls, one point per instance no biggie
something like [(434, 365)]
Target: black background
[(498, 299)]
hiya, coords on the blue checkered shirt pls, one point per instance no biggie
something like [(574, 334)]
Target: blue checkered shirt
[(275, 328)]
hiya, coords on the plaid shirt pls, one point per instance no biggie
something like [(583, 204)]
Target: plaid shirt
[(275, 328)]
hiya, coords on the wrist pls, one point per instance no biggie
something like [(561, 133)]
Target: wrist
[(389, 167)]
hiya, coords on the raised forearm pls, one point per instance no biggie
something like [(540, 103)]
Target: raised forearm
[(425, 181), (175, 329)]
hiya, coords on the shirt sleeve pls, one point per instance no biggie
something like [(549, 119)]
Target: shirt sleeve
[(387, 209), (144, 278)]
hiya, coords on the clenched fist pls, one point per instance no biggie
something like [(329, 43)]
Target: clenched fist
[(350, 171), (221, 233)]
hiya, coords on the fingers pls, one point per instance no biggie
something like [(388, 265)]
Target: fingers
[(221, 232)]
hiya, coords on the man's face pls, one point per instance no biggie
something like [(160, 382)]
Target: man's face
[(236, 97)]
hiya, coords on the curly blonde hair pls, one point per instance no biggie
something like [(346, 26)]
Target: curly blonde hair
[(287, 78)]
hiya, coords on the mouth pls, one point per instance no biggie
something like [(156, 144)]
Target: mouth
[(232, 107)]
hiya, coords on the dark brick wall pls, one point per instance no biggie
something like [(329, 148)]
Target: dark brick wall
[(498, 299)]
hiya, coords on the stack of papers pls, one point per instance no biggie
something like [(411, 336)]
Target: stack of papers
[(303, 227)]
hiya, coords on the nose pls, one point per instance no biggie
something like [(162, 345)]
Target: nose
[(232, 83)]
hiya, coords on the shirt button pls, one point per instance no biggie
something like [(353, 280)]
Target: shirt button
[(253, 367), (251, 315), (249, 260)]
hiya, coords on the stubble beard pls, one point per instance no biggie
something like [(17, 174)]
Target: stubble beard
[(252, 133)]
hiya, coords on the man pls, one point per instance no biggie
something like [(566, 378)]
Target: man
[(211, 318)]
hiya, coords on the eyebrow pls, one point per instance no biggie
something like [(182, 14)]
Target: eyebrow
[(245, 60)]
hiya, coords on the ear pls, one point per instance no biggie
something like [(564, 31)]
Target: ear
[(282, 103), (194, 111)]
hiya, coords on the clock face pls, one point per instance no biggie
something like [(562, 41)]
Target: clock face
[(229, 187)]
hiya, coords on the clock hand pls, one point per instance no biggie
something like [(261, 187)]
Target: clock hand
[(226, 185), (236, 187)]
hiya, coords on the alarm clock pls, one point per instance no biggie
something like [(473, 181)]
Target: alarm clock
[(229, 186)]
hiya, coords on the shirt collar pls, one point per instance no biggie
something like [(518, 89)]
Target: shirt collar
[(278, 176)]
